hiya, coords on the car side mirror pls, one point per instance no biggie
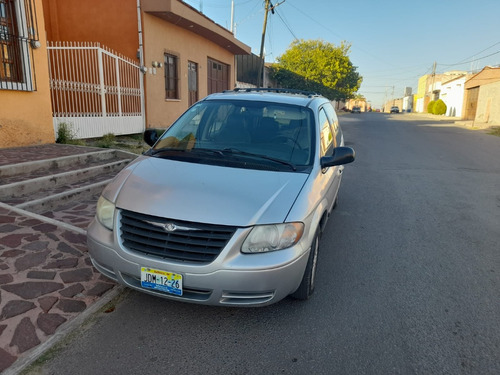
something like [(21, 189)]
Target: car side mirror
[(150, 136), (341, 155)]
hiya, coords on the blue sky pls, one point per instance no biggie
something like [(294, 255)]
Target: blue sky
[(393, 43)]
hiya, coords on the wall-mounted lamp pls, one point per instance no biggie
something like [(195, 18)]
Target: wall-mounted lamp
[(35, 44), (156, 64)]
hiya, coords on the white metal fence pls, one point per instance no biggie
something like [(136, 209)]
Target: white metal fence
[(94, 90)]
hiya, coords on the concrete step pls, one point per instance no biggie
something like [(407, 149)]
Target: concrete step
[(59, 181), (43, 186), (40, 168)]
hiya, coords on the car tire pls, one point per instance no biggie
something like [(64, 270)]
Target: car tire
[(306, 287)]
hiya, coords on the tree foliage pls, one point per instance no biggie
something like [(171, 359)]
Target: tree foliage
[(440, 107), (430, 106), (437, 107), (318, 66)]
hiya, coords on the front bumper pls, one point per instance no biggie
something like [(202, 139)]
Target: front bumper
[(232, 279)]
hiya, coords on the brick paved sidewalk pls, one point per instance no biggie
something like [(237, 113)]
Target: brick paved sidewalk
[(46, 280), (46, 277)]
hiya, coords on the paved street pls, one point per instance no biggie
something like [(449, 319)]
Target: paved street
[(408, 278)]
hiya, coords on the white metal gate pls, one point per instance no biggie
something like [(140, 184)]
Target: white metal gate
[(94, 90)]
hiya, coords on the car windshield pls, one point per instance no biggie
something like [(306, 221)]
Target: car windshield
[(246, 134)]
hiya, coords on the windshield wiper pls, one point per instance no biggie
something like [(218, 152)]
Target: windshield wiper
[(215, 151), (240, 152), (165, 149), (219, 152), (192, 150)]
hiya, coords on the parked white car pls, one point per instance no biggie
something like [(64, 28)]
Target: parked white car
[(228, 205)]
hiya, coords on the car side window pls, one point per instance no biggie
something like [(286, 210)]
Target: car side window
[(334, 122), (184, 131), (326, 135)]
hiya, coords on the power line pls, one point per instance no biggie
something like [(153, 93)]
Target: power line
[(471, 61), (479, 53), (286, 25), (305, 13)]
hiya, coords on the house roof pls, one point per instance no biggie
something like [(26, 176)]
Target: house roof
[(487, 75), (185, 16), (453, 78)]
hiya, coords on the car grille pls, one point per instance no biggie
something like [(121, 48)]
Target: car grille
[(173, 239)]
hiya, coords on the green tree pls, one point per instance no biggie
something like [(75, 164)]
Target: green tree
[(439, 107), (430, 106), (318, 66)]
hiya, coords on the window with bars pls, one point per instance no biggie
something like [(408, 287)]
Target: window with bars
[(18, 33), (171, 77)]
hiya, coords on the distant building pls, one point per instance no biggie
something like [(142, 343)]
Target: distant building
[(452, 93), (429, 88), (361, 103), (482, 97)]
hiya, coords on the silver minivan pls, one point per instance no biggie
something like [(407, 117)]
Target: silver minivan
[(228, 205)]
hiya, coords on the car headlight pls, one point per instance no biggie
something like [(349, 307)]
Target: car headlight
[(105, 212), (264, 238)]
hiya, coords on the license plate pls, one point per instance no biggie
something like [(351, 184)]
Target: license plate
[(164, 281)]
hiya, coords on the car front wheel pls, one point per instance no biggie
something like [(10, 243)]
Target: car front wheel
[(306, 287)]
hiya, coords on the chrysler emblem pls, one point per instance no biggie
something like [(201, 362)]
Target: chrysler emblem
[(170, 227)]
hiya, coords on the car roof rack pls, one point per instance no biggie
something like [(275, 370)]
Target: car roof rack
[(309, 94)]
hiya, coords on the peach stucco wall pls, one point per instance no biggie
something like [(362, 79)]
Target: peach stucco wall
[(162, 37), (114, 24), (26, 117)]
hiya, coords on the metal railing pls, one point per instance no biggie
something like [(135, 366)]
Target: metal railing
[(90, 81)]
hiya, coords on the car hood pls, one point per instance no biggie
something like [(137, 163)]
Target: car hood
[(209, 194)]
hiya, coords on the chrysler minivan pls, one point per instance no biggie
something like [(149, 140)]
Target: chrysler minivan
[(228, 204)]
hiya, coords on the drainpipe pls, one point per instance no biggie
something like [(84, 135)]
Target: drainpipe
[(142, 67)]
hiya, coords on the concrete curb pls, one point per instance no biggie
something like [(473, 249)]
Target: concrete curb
[(44, 219)]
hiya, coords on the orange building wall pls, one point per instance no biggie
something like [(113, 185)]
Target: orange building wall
[(26, 117), (113, 23), (188, 46)]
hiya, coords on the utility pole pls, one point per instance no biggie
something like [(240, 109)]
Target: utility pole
[(261, 67), (433, 79), (232, 17), (385, 99)]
